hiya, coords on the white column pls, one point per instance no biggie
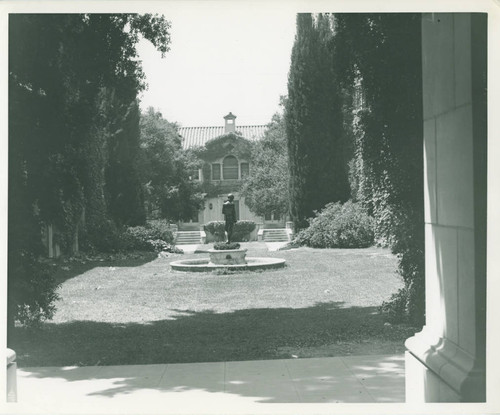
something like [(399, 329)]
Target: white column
[(446, 361)]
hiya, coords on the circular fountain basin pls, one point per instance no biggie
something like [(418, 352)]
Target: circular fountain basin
[(204, 264)]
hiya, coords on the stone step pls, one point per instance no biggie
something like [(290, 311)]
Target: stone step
[(275, 235), (188, 242), (188, 238)]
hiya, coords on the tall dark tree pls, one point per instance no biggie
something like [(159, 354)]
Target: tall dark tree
[(314, 121), (124, 193), (62, 68)]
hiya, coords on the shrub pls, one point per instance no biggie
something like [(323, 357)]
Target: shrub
[(216, 228), (160, 229), (241, 230), (339, 226), (103, 236), (161, 246), (33, 290), (395, 309), (155, 236), (222, 246)]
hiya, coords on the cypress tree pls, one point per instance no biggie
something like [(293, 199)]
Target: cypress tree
[(313, 118)]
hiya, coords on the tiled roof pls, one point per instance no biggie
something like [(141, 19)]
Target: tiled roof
[(198, 136)]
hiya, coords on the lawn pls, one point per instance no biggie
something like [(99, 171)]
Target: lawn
[(138, 311)]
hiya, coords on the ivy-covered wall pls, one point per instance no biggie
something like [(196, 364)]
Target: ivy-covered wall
[(354, 129)]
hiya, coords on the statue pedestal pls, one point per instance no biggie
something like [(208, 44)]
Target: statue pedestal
[(227, 257)]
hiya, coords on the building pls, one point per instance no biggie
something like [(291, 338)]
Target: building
[(225, 154)]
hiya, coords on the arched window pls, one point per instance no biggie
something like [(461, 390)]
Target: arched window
[(230, 168)]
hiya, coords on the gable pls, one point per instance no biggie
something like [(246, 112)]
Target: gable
[(199, 136), (221, 146)]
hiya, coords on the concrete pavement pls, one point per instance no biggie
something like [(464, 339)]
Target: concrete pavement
[(207, 387)]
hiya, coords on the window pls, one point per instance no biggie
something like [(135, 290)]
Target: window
[(245, 170), (272, 216), (230, 168), (216, 171)]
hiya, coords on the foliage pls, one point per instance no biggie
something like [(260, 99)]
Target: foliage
[(339, 226), (314, 119), (223, 246), (266, 188), (395, 308), (34, 290), (383, 53), (241, 230), (216, 228), (166, 168), (361, 73), (73, 84), (103, 236), (240, 147), (125, 198), (155, 236)]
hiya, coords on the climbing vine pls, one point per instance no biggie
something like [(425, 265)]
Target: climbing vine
[(382, 54)]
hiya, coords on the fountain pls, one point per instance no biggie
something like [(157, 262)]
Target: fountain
[(226, 257), (229, 259)]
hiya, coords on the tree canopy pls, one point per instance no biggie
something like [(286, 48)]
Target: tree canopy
[(167, 170), (266, 188)]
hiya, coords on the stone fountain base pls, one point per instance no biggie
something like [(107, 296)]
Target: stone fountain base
[(227, 256), (204, 265)]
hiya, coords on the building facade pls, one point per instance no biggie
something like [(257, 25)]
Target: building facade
[(224, 153)]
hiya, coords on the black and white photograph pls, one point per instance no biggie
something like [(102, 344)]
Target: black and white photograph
[(218, 207)]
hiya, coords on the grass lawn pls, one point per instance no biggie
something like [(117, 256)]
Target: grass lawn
[(139, 311)]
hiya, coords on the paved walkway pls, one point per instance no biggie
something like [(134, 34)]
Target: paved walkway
[(211, 387)]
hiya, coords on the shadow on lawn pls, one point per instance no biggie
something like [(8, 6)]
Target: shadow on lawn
[(250, 334), (64, 269)]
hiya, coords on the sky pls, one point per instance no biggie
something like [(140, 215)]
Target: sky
[(222, 59)]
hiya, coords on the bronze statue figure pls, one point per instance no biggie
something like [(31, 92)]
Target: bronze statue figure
[(229, 212)]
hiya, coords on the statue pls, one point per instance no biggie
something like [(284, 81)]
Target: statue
[(229, 212)]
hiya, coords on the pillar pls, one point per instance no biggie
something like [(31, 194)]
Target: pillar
[(445, 362)]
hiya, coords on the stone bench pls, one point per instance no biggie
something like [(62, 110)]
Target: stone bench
[(11, 376)]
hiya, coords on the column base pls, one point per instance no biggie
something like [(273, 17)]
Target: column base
[(437, 370)]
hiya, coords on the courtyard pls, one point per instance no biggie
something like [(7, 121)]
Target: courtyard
[(136, 310), (310, 332), (381, 136)]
